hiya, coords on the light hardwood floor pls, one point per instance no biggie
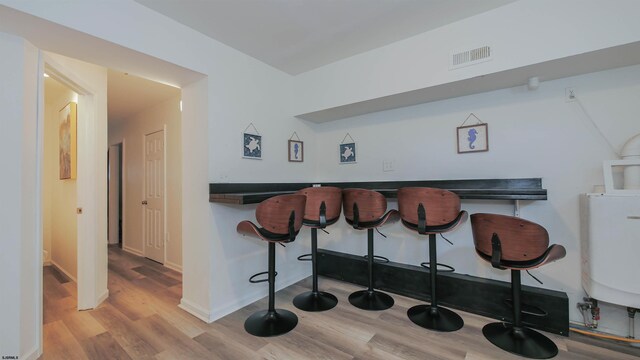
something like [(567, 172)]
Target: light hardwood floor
[(141, 320)]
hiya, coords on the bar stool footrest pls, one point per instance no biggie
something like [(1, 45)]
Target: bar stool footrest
[(377, 259), (254, 281), (446, 268), (304, 257)]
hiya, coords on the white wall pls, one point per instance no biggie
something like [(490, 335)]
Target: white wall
[(59, 197), (531, 134), (235, 90), (521, 33), (132, 132), (21, 254)]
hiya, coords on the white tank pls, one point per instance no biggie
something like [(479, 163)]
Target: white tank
[(631, 151)]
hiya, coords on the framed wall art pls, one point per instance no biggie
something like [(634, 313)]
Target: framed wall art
[(347, 151), (472, 138), (251, 144), (296, 149), (67, 131)]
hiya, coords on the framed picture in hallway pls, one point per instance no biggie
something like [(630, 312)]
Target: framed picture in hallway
[(473, 138), (67, 131)]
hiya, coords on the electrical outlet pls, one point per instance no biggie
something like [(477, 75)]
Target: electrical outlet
[(569, 94), (387, 165)]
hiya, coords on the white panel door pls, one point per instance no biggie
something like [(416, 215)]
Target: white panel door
[(153, 203)]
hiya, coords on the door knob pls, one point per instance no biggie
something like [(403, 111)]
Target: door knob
[(144, 202)]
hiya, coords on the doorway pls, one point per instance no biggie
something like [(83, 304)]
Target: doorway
[(115, 191)]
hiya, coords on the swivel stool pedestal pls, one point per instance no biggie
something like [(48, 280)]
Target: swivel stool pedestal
[(322, 209), (365, 210), (431, 211), (515, 244), (281, 220)]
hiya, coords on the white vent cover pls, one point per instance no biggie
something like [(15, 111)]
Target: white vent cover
[(463, 58)]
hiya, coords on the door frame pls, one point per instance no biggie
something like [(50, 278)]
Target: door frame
[(90, 268), (164, 192), (123, 186)]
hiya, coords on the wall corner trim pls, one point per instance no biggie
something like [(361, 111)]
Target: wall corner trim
[(195, 310)]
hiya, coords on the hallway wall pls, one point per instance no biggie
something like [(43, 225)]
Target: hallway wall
[(59, 197)]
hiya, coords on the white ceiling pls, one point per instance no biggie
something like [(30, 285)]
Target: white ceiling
[(127, 95), (300, 35)]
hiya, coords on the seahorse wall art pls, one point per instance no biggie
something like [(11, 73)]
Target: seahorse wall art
[(472, 137)]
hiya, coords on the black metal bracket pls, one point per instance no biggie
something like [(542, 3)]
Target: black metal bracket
[(496, 251), (254, 281), (422, 219), (304, 257), (447, 268), (356, 216), (323, 215), (292, 230)]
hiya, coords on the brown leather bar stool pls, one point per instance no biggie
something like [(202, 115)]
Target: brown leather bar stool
[(281, 220), (365, 210), (323, 208), (516, 244), (431, 211)]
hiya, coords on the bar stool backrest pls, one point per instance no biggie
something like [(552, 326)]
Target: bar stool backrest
[(273, 214), (332, 197), (520, 239), (441, 206), (371, 204)]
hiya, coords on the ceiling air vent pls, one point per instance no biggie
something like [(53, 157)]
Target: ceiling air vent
[(464, 58)]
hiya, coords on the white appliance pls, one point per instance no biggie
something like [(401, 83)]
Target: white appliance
[(611, 248)]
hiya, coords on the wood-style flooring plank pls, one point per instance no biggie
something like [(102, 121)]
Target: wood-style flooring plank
[(104, 346), (123, 332), (59, 343)]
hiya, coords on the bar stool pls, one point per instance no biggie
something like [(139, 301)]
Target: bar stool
[(516, 244), (431, 211), (281, 220), (365, 210), (323, 208)]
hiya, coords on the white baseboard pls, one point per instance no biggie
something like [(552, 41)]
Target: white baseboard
[(132, 251), (195, 310), (33, 354), (47, 263), (61, 269), (102, 298), (251, 298), (173, 266)]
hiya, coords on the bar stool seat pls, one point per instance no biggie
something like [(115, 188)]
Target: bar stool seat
[(512, 243), (432, 211), (365, 210), (323, 208), (281, 220)]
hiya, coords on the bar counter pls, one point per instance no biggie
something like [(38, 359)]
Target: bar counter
[(487, 189)]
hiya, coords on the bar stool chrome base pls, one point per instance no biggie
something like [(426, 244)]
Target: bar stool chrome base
[(438, 319), (267, 323), (524, 341), (315, 301), (371, 300)]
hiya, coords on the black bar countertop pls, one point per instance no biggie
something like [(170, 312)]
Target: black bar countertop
[(488, 189)]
